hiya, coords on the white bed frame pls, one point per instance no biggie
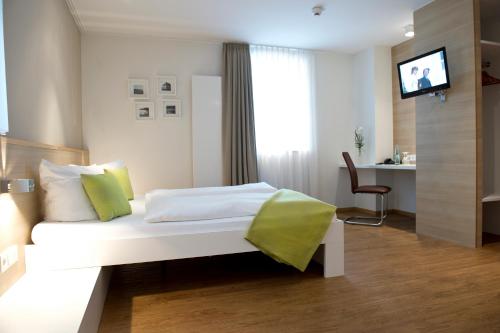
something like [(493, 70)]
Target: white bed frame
[(179, 246)]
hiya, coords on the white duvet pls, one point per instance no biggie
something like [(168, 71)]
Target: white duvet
[(206, 203)]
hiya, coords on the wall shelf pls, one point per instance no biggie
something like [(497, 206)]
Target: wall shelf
[(491, 197), (490, 43)]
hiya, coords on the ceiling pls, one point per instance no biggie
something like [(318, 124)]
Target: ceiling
[(346, 25)]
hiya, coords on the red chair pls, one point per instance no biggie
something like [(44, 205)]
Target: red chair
[(378, 190)]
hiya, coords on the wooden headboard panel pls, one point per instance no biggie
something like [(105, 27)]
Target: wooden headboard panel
[(20, 212)]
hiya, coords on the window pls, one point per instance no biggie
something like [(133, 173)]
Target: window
[(282, 90)]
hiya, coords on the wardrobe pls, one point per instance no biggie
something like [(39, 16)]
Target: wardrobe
[(490, 75)]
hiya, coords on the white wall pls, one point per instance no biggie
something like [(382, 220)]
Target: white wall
[(158, 153), (42, 57), (335, 121), (356, 91), (363, 101), (42, 46), (383, 103), (4, 120), (403, 184), (372, 103), (372, 109)]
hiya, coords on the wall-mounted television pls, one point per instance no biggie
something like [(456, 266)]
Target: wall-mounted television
[(424, 74)]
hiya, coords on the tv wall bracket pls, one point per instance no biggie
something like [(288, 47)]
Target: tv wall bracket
[(441, 94)]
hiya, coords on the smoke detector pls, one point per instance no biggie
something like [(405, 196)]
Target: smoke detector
[(318, 10)]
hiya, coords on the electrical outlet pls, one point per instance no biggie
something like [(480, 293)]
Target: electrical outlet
[(8, 257)]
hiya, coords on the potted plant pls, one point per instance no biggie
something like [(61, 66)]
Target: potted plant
[(359, 139)]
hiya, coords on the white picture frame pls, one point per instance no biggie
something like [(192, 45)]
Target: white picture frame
[(144, 110), (171, 108), (138, 88), (166, 85)]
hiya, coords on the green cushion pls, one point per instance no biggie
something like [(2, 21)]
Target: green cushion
[(106, 196), (121, 175)]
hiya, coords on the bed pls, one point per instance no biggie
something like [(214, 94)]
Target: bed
[(129, 239)]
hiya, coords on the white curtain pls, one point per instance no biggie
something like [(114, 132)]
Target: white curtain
[(283, 91)]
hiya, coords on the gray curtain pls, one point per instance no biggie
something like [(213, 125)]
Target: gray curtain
[(240, 153)]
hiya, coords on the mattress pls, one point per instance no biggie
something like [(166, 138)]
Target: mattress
[(129, 227)]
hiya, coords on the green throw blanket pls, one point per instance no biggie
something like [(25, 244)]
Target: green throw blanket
[(290, 227)]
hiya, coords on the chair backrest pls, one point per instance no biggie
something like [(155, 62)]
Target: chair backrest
[(352, 171)]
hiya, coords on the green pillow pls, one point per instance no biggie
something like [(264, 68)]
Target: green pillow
[(121, 175), (106, 196)]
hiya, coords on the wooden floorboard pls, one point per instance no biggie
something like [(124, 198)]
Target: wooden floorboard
[(394, 282)]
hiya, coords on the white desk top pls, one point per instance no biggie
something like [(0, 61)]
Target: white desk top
[(409, 167)]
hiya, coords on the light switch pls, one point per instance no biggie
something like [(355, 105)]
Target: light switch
[(8, 257)]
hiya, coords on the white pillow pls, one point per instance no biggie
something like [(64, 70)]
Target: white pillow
[(50, 172), (65, 198), (66, 201), (112, 165)]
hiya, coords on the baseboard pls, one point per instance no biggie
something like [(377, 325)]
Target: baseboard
[(402, 212), (373, 212), (356, 210)]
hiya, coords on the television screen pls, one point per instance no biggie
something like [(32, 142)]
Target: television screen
[(424, 74)]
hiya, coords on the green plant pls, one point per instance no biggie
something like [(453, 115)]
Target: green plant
[(359, 139)]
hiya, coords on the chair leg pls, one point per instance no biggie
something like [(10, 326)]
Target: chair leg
[(378, 220)]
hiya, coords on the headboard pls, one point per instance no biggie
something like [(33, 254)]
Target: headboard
[(20, 212)]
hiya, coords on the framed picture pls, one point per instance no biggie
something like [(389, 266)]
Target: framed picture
[(138, 88), (171, 108), (145, 110), (166, 86)]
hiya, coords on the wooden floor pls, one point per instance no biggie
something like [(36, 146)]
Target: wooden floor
[(394, 282)]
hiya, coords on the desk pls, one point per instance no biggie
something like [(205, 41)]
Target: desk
[(400, 177), (409, 167)]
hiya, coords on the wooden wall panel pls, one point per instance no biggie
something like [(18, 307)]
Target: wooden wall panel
[(447, 132), (20, 212), (403, 109)]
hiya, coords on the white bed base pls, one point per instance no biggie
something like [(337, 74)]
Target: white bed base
[(189, 245)]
